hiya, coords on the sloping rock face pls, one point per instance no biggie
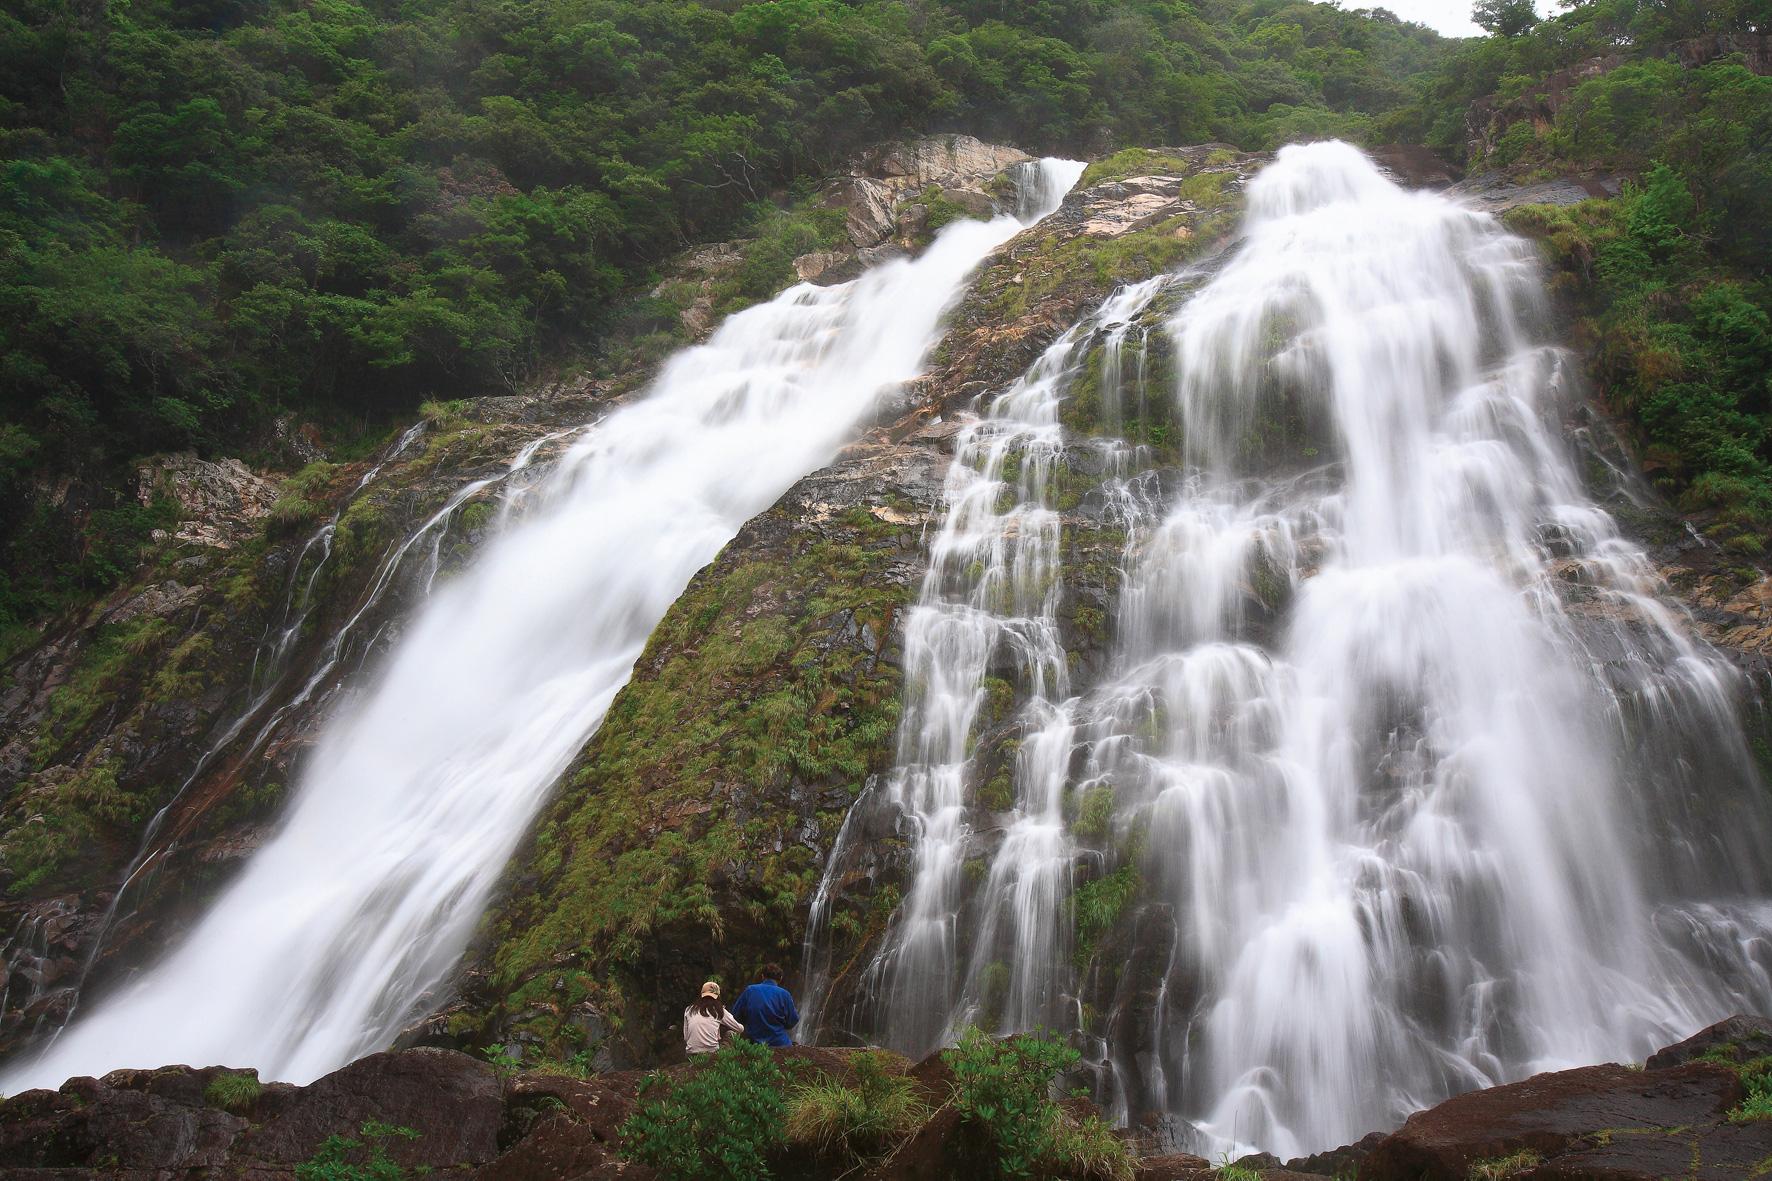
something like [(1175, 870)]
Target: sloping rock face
[(152, 737), (688, 838), (428, 1112)]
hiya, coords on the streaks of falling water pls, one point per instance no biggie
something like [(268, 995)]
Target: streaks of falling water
[(1402, 834), (991, 594), (417, 793), (1419, 782)]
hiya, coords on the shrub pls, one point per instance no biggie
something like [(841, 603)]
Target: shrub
[(855, 1122), (345, 1158), (235, 1091), (1003, 1092), (716, 1125)]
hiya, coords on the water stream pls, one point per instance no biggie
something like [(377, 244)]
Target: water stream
[(1401, 776), (413, 800)]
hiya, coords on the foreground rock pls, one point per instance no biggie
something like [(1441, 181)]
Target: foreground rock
[(441, 1113), (1605, 1123)]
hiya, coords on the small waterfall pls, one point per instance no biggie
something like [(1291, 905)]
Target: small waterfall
[(415, 796), (1401, 777)]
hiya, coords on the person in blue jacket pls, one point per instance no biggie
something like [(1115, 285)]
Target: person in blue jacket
[(767, 1009)]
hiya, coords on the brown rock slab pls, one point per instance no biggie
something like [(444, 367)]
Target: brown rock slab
[(1612, 1115), (1740, 1038), (452, 1101)]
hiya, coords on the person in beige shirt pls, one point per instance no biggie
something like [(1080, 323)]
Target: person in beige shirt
[(706, 1020)]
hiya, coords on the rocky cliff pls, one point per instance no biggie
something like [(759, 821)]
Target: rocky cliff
[(145, 744)]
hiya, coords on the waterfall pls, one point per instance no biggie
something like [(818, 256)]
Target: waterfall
[(417, 792), (1401, 776)]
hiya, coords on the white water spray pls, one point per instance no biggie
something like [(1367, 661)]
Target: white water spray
[(417, 793), (1414, 783)]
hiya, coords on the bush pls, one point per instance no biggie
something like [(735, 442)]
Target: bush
[(344, 1158), (855, 1122), (235, 1091), (716, 1125), (1003, 1092)]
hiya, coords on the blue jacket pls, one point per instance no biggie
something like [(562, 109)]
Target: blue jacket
[(767, 1011)]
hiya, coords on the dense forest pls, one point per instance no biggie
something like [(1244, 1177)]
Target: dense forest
[(217, 212)]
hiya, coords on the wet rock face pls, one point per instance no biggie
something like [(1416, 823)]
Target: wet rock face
[(703, 812), (174, 692)]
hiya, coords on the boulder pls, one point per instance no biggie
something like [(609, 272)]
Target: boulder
[(1597, 1121), (1741, 1038), (946, 161), (453, 1102)]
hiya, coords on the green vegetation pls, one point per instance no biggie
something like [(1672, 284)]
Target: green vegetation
[(1230, 1172), (214, 212), (1755, 1075), (1670, 280), (1099, 905), (1003, 1092), (719, 1124), (855, 1123), (347, 1158), (748, 691), (235, 1091), (1500, 1168)]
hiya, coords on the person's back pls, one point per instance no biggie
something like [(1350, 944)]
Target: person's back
[(704, 1020), (767, 1010)]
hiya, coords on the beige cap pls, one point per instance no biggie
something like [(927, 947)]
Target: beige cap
[(711, 989)]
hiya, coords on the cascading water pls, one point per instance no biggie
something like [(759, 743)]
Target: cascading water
[(1400, 780), (416, 794)]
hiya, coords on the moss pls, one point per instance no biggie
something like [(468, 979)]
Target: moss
[(993, 992), (1501, 1167), (674, 815), (106, 669), (1098, 907), (1095, 813), (998, 792), (1103, 262), (55, 823), (1135, 162)]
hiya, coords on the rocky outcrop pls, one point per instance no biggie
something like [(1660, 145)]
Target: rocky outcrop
[(958, 168), (688, 837), (156, 731), (222, 502), (1493, 192), (429, 1112)]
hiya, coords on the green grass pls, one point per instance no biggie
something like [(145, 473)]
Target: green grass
[(855, 1122), (1500, 1168), (234, 1091)]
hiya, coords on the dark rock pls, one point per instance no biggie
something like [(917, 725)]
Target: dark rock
[(1609, 1121), (1178, 1166), (1338, 1162), (1740, 1038), (452, 1101)]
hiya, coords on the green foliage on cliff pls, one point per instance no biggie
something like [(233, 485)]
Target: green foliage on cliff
[(1670, 279), (215, 210), (758, 684)]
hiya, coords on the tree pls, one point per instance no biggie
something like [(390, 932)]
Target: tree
[(1507, 18)]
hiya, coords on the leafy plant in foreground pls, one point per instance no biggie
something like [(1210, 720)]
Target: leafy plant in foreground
[(716, 1125), (1003, 1092), (345, 1158), (857, 1122)]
